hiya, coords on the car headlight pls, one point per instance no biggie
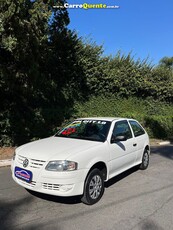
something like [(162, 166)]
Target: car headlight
[(61, 166)]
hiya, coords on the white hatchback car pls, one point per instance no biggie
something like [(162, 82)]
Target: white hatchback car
[(81, 156)]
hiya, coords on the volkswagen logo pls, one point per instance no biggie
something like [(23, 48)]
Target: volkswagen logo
[(25, 163)]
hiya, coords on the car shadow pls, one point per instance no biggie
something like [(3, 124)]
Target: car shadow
[(164, 151), (121, 176), (57, 199)]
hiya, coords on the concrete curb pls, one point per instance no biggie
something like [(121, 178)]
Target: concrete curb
[(4, 163), (165, 143)]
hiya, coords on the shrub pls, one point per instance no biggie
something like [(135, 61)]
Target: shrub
[(159, 126), (155, 116)]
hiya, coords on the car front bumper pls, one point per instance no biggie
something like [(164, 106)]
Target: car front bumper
[(53, 183)]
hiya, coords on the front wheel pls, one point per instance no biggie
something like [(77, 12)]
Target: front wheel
[(145, 160), (93, 188)]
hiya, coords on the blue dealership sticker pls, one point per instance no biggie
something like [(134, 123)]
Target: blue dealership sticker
[(23, 174)]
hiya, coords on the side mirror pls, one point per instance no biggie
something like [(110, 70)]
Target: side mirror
[(115, 139)]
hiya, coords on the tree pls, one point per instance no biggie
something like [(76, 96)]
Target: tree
[(33, 75), (166, 62)]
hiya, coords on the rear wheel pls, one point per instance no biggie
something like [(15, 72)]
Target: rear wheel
[(94, 187), (145, 160)]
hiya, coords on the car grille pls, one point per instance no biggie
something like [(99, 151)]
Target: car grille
[(33, 163), (48, 186)]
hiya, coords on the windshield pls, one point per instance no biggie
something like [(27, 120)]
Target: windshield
[(94, 130)]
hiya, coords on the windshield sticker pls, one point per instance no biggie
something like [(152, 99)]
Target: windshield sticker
[(74, 124), (94, 121), (71, 128), (69, 131)]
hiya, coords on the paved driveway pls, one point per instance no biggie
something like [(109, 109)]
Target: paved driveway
[(134, 200)]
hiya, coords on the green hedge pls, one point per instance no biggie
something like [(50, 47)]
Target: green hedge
[(155, 116), (159, 126)]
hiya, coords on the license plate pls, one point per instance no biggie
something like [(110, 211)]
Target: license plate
[(23, 174)]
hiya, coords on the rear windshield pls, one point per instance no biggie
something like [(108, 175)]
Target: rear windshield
[(94, 130)]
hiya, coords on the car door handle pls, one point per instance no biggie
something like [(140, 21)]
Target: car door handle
[(135, 144)]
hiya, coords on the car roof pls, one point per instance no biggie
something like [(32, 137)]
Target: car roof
[(104, 118)]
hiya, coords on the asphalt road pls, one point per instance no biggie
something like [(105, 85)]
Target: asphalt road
[(134, 200)]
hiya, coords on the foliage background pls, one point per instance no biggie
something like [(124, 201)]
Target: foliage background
[(49, 75)]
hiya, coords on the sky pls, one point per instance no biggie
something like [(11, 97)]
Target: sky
[(144, 28)]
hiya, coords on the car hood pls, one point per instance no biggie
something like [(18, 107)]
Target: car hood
[(55, 148)]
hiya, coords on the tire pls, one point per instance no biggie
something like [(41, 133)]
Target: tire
[(93, 188), (145, 160)]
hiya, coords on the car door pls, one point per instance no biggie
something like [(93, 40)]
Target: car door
[(122, 153), (141, 138)]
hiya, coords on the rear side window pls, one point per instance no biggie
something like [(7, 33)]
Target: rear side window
[(137, 129)]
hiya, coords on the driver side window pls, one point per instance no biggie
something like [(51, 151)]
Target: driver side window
[(122, 128)]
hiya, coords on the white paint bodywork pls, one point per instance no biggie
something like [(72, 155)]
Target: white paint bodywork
[(117, 157)]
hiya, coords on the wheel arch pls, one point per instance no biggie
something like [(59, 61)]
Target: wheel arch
[(147, 147), (100, 166)]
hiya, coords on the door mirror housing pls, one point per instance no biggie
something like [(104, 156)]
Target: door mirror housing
[(115, 139)]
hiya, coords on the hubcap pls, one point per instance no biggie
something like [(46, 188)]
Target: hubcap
[(95, 187), (146, 158)]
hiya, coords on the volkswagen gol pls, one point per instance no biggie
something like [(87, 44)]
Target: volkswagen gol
[(81, 157)]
